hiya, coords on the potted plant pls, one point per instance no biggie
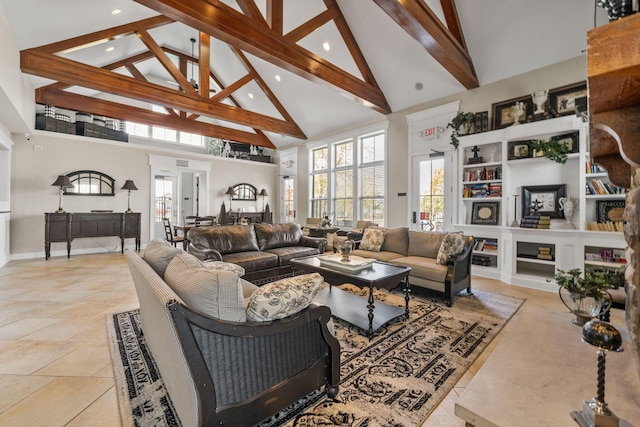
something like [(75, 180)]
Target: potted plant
[(586, 295), (461, 124), (552, 149)]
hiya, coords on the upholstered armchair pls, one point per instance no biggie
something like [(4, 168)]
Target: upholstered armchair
[(311, 223)]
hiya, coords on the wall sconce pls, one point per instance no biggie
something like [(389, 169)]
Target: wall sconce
[(129, 185), (264, 194), (63, 182), (230, 192)]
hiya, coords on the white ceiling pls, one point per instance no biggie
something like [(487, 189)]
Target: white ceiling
[(504, 38)]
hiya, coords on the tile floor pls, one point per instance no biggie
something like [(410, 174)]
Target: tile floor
[(55, 366)]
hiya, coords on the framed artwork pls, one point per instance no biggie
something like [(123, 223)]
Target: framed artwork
[(502, 111), (519, 150), (562, 100), (543, 200), (609, 210), (485, 213), (570, 140)]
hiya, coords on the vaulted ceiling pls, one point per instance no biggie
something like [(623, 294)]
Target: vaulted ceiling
[(255, 71)]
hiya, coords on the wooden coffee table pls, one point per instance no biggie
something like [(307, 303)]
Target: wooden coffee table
[(354, 309)]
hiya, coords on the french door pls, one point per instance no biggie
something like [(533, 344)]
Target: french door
[(427, 210), (167, 202), (288, 199)]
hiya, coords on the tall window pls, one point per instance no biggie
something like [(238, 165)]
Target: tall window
[(289, 200), (319, 182), (354, 186), (343, 183), (372, 182), (432, 194)]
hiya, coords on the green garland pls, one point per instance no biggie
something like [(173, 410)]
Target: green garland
[(551, 149), (456, 123)]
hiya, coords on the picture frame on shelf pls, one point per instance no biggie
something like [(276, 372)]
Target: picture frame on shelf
[(519, 150), (502, 111), (570, 140), (562, 100), (610, 210), (547, 197), (485, 213)]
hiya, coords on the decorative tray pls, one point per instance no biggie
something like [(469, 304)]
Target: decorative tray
[(355, 263)]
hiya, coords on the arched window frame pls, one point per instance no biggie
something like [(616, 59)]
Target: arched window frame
[(87, 179), (244, 191)]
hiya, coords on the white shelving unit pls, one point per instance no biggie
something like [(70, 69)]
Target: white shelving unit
[(497, 158)]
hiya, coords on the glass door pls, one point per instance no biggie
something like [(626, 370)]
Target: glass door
[(288, 205), (167, 203), (428, 193)]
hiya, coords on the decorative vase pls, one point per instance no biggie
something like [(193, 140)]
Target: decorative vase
[(345, 250), (584, 307), (517, 110), (567, 205), (539, 97)]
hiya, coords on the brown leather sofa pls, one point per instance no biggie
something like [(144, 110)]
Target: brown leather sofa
[(263, 250)]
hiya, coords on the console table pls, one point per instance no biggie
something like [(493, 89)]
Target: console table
[(235, 216), (66, 226)]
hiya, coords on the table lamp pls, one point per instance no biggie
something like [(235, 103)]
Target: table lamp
[(63, 182), (129, 185), (264, 194), (230, 192), (595, 413)]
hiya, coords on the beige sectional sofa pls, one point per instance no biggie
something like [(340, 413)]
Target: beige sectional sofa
[(419, 250)]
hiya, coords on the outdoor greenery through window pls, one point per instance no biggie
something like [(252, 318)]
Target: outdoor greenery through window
[(319, 182), (432, 195), (355, 183)]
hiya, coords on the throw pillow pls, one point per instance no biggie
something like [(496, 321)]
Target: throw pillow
[(283, 298), (213, 293), (159, 253), (372, 239), (452, 244), (225, 266)]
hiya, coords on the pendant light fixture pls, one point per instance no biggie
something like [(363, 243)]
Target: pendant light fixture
[(193, 80)]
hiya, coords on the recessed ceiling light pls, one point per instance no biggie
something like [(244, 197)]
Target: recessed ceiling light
[(250, 95), (110, 49), (116, 11), (419, 86), (278, 78), (326, 46)]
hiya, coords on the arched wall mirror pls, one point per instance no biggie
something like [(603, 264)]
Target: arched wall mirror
[(244, 192), (90, 183)]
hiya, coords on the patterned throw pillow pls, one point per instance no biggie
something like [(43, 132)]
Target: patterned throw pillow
[(452, 244), (372, 239), (283, 298), (225, 266)]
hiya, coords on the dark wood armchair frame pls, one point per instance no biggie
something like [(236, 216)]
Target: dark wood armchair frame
[(459, 272), (286, 359)]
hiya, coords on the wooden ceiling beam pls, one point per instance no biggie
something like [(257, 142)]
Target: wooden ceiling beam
[(230, 26), (141, 115), (419, 21), (311, 25), (250, 9), (275, 15), (204, 64), (453, 21), (74, 73)]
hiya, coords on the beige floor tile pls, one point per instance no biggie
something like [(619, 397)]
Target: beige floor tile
[(26, 357), (102, 413), (60, 330), (57, 403), (23, 327), (85, 361), (17, 387)]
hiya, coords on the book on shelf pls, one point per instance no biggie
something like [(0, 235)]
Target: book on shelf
[(605, 226), (479, 245), (481, 260), (597, 186), (544, 221), (529, 221), (544, 252), (490, 245)]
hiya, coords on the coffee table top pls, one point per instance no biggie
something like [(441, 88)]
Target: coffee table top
[(378, 270)]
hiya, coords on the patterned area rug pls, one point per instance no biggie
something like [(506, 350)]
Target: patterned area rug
[(394, 380)]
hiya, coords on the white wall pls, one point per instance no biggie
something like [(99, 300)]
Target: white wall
[(35, 170)]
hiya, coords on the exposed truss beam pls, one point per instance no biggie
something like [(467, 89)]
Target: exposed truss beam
[(125, 112), (224, 23), (74, 73), (419, 21)]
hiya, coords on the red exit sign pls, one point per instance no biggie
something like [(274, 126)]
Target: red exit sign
[(430, 133)]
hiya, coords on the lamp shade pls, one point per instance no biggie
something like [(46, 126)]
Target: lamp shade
[(230, 192), (263, 193), (63, 182), (129, 185)]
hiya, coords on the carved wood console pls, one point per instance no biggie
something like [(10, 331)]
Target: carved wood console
[(64, 227)]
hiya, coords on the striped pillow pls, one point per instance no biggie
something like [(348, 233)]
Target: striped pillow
[(212, 293)]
